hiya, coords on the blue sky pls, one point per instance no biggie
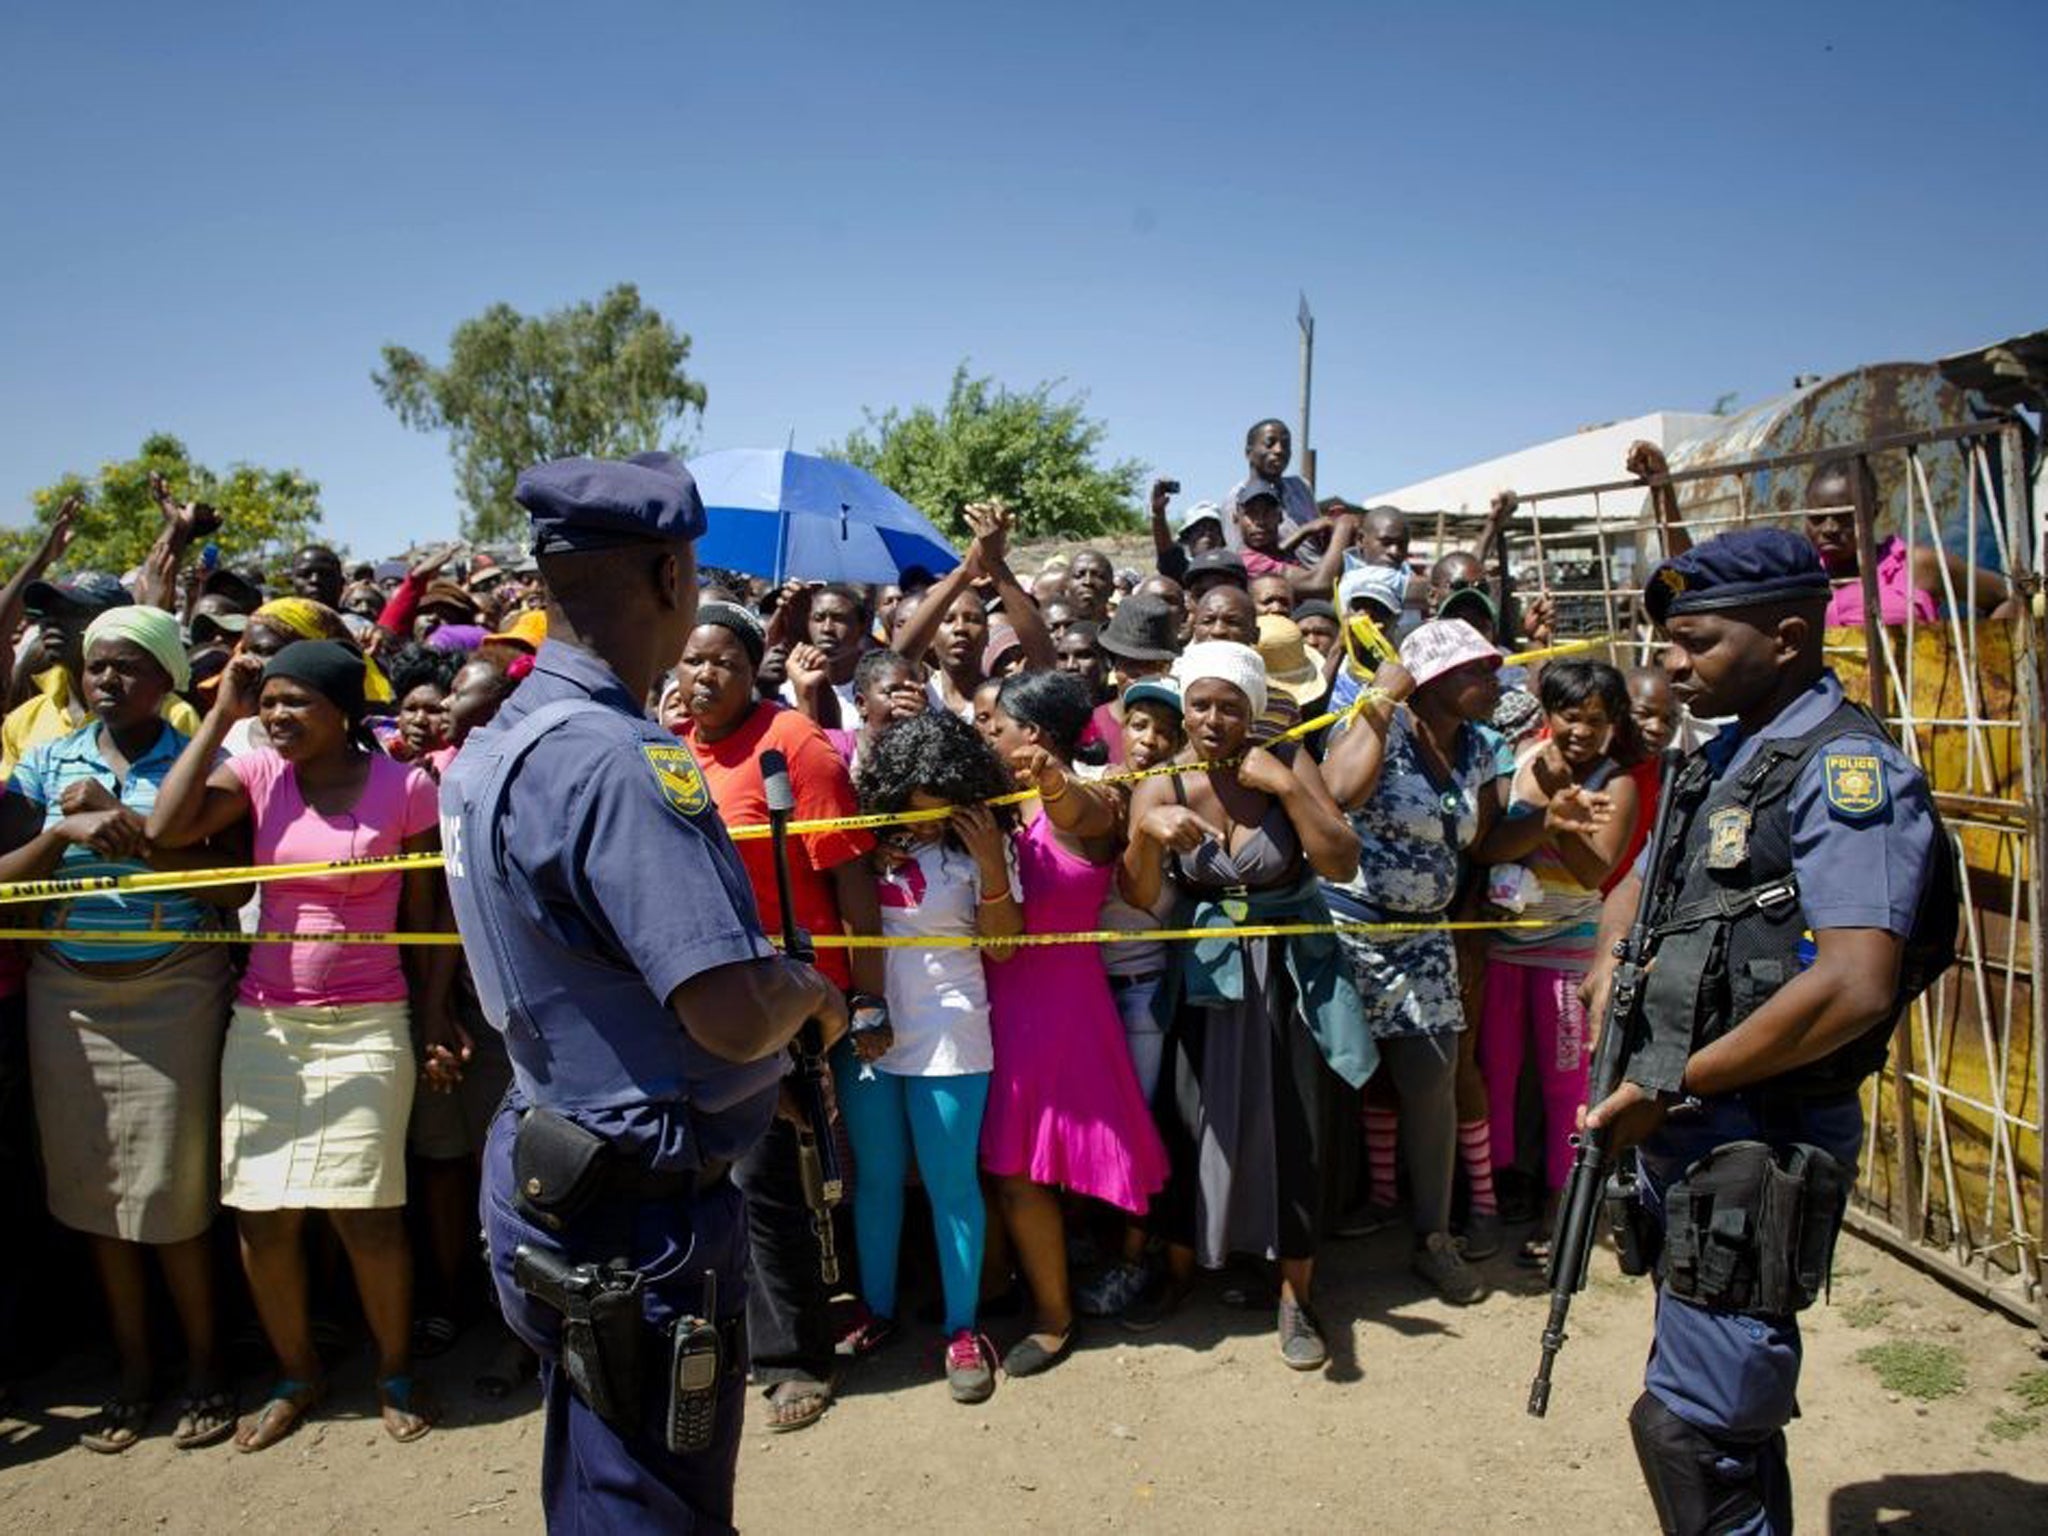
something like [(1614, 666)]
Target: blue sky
[(1510, 220)]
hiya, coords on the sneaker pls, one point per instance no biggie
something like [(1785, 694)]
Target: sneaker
[(1481, 1239), (1152, 1309), (1301, 1338), (1364, 1220), (1439, 1262), (970, 1367), (866, 1334), (1110, 1292)]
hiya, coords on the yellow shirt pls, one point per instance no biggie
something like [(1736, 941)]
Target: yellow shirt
[(51, 714)]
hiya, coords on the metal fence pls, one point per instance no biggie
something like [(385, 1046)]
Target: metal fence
[(1952, 1169)]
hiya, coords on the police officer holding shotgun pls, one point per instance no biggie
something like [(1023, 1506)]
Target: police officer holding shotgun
[(1800, 893), (615, 943)]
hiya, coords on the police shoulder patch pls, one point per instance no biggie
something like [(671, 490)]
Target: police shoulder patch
[(680, 780), (1856, 786)]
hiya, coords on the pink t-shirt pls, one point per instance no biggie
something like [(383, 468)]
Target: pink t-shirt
[(1896, 593), (1103, 726), (1258, 563), (397, 802)]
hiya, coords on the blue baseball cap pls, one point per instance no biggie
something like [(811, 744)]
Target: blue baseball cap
[(1384, 586), (582, 504), (1737, 570), (1154, 690)]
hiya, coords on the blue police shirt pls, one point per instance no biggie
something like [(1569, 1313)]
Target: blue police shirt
[(618, 885), (1862, 825)]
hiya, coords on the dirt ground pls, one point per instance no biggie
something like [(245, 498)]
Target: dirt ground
[(1417, 1425)]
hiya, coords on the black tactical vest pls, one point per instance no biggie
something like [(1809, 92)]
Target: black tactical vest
[(1726, 929)]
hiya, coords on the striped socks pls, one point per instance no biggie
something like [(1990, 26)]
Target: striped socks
[(1475, 1151), (1382, 1129)]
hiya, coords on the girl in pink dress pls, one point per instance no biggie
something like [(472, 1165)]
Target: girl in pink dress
[(1064, 1110)]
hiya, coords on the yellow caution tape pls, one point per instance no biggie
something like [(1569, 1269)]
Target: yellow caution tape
[(65, 889), (217, 936), (844, 823), (821, 941), (1017, 797), (1157, 935), (1562, 648), (1374, 638), (204, 879), (73, 887)]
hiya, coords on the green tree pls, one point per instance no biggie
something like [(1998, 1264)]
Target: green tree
[(266, 513), (604, 379), (1029, 449)]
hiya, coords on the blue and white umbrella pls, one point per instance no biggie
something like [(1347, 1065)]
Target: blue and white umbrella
[(781, 515)]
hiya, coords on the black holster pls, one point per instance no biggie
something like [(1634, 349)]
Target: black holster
[(564, 1172), (1638, 1238), (1750, 1230), (602, 1328)]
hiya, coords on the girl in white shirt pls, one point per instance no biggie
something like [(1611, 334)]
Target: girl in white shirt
[(938, 879)]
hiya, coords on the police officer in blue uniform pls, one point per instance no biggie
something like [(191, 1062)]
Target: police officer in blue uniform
[(615, 943), (1796, 903)]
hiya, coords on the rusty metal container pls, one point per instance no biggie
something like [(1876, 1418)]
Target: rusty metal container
[(1878, 401)]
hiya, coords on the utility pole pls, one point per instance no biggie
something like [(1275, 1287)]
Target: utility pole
[(1307, 322)]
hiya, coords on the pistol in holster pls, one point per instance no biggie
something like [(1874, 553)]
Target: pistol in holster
[(602, 1327), (608, 1344)]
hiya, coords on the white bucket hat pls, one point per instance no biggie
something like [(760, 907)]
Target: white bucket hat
[(1227, 662)]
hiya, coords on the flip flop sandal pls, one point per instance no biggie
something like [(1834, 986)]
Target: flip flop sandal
[(796, 1405), (1534, 1254), (1028, 1357), (117, 1426), (204, 1419), (293, 1399), (401, 1393)]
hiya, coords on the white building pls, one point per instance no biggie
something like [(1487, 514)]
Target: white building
[(1588, 457)]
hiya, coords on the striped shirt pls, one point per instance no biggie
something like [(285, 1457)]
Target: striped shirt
[(41, 778), (1569, 910)]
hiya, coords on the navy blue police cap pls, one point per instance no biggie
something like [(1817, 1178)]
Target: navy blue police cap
[(582, 504), (1737, 570)]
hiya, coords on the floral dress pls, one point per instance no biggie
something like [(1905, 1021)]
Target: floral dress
[(1412, 832)]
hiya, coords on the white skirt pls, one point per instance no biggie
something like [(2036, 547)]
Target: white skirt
[(314, 1103)]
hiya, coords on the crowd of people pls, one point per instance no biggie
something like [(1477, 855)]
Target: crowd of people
[(1087, 1128)]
